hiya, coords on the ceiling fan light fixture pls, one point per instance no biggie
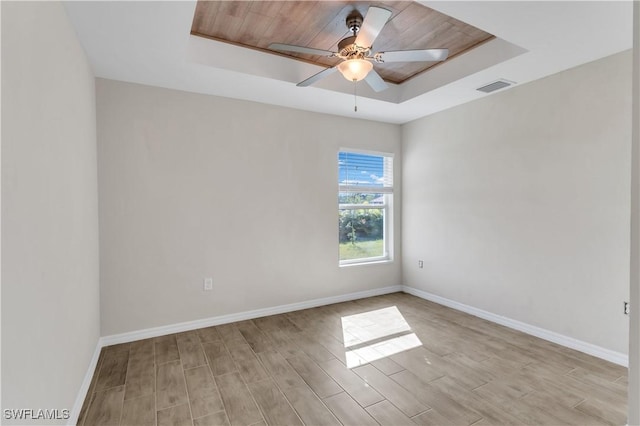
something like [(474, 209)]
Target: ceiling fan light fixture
[(355, 69)]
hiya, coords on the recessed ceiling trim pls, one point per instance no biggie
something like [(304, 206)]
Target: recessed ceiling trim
[(490, 54), (205, 51)]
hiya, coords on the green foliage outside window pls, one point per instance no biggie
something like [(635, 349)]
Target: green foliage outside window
[(361, 225)]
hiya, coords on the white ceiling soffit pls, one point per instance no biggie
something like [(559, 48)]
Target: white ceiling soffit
[(209, 52), (149, 43)]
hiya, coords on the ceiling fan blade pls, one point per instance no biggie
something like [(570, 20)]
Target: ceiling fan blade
[(376, 82), (299, 49), (319, 76), (372, 25), (426, 55)]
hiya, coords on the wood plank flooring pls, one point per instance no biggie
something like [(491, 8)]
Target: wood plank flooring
[(387, 360)]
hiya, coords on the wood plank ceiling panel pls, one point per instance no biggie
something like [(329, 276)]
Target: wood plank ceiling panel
[(321, 25)]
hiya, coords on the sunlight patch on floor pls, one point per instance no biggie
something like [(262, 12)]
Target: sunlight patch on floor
[(374, 335)]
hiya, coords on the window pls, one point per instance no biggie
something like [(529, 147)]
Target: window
[(365, 192)]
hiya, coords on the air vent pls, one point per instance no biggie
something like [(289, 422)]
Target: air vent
[(496, 85)]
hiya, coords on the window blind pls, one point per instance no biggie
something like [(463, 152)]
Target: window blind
[(365, 173)]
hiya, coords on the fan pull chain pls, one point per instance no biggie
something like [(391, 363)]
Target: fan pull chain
[(355, 96)]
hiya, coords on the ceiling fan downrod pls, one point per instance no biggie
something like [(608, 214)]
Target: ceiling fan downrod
[(354, 22)]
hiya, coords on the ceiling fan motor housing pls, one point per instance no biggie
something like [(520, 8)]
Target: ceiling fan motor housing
[(349, 50), (347, 47)]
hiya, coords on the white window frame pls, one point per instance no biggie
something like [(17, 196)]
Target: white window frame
[(386, 207)]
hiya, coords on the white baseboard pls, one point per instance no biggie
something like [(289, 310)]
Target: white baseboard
[(241, 316), (84, 388), (588, 348), (551, 336), (207, 322)]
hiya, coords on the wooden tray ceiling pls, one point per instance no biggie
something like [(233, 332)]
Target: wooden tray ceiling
[(321, 25)]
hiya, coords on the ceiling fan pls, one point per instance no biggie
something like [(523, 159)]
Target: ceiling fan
[(356, 51)]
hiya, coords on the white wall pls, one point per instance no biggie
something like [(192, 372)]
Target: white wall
[(634, 325), (193, 186), (518, 203), (50, 305)]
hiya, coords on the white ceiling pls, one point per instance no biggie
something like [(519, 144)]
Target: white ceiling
[(149, 43)]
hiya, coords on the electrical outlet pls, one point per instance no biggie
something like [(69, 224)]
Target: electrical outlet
[(420, 264), (627, 308), (208, 284)]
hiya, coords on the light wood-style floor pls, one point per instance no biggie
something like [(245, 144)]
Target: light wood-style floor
[(407, 361)]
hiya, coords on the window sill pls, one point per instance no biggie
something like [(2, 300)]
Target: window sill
[(366, 262)]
